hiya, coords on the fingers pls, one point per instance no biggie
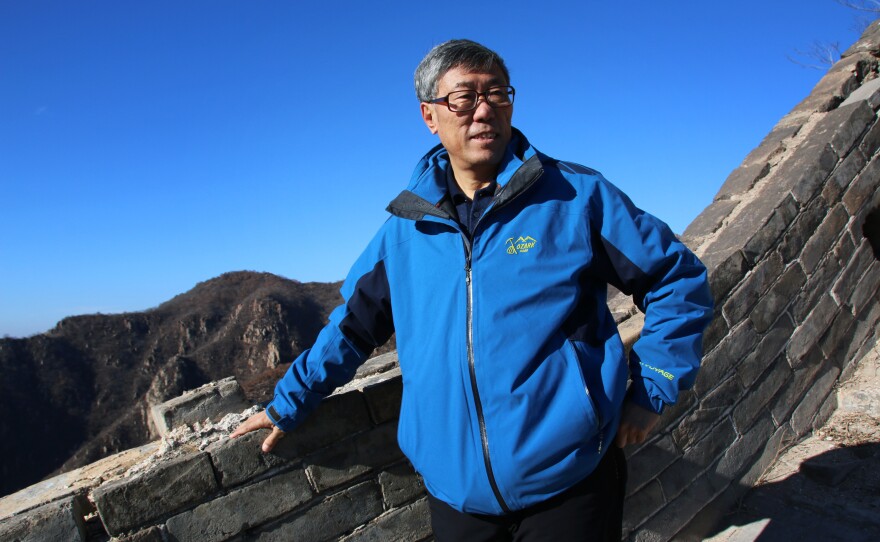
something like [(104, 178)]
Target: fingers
[(258, 421), (272, 439)]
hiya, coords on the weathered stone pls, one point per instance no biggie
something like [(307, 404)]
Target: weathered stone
[(230, 515), (377, 365), (802, 228), (867, 43), (400, 484), (844, 126), (383, 399), (708, 450), (824, 238), (750, 290), (708, 221), (725, 357), (683, 406), (676, 515), (868, 92), (353, 457), (830, 91), (716, 331), (843, 175), (407, 524), (644, 465), (211, 401), (871, 142), (150, 534), (817, 286), (753, 401), (240, 459), (833, 342), (791, 392), (166, 489), (802, 417), (334, 516), (863, 294), (772, 229), (807, 334), (725, 273), (780, 295), (59, 521), (642, 504), (805, 171), (862, 187), (338, 416), (711, 409), (741, 180), (850, 278), (742, 453), (767, 351)]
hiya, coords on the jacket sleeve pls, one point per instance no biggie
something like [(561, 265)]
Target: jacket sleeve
[(362, 323), (643, 258)]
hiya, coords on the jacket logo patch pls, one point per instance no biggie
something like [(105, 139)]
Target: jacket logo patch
[(521, 245)]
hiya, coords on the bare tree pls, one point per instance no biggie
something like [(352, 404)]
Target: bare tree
[(820, 56), (871, 6)]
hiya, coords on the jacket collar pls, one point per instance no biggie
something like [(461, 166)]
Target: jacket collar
[(519, 168)]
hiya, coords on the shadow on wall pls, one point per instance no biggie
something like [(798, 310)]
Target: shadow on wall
[(834, 496)]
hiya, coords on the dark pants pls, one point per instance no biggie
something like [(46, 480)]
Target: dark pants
[(591, 510)]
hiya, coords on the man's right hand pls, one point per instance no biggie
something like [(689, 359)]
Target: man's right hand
[(260, 421)]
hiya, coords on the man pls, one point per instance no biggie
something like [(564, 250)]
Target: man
[(493, 269)]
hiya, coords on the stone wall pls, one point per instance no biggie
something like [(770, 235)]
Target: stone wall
[(796, 285)]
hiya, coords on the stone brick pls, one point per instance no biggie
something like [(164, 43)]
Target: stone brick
[(767, 351), (726, 270), (817, 286), (240, 459), (871, 142), (824, 238), (844, 126), (150, 534), (407, 524), (339, 416), (864, 291), (862, 187), (166, 489), (354, 457), (754, 400), (644, 465), (843, 175), (742, 452), (829, 92), (211, 401), (676, 515), (742, 179), (802, 228), (780, 295), (383, 399), (336, 515), (867, 92), (849, 278), (716, 331), (802, 417), (59, 521), (833, 342), (232, 514), (641, 505), (863, 328), (807, 169), (400, 484), (807, 334), (682, 407), (791, 392), (827, 409), (767, 235), (708, 450), (750, 290), (725, 357), (711, 409)]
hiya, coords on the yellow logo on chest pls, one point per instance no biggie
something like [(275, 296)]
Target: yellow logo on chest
[(521, 245)]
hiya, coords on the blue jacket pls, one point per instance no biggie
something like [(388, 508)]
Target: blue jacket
[(513, 371)]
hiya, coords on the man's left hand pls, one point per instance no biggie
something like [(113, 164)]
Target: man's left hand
[(635, 425)]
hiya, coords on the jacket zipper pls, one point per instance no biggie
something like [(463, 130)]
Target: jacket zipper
[(484, 438)]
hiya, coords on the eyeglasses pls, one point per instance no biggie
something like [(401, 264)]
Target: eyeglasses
[(467, 100)]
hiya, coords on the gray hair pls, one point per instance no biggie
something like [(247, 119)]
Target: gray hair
[(454, 54)]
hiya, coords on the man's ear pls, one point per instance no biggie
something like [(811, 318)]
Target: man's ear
[(428, 117)]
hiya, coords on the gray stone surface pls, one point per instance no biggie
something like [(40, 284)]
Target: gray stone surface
[(354, 457), (641, 505), (823, 239), (725, 357), (862, 187), (60, 521), (756, 283), (400, 484), (780, 296), (130, 503), (844, 126), (408, 524), (806, 336), (333, 517), (211, 401), (232, 514), (710, 219), (802, 228), (865, 93), (766, 353), (742, 452), (383, 398), (755, 400), (843, 175), (802, 416), (240, 459)]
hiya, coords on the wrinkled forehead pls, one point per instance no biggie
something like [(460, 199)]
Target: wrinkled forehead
[(464, 78)]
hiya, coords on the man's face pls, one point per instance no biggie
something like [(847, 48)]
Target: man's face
[(476, 139)]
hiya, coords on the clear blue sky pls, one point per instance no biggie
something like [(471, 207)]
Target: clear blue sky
[(148, 146)]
